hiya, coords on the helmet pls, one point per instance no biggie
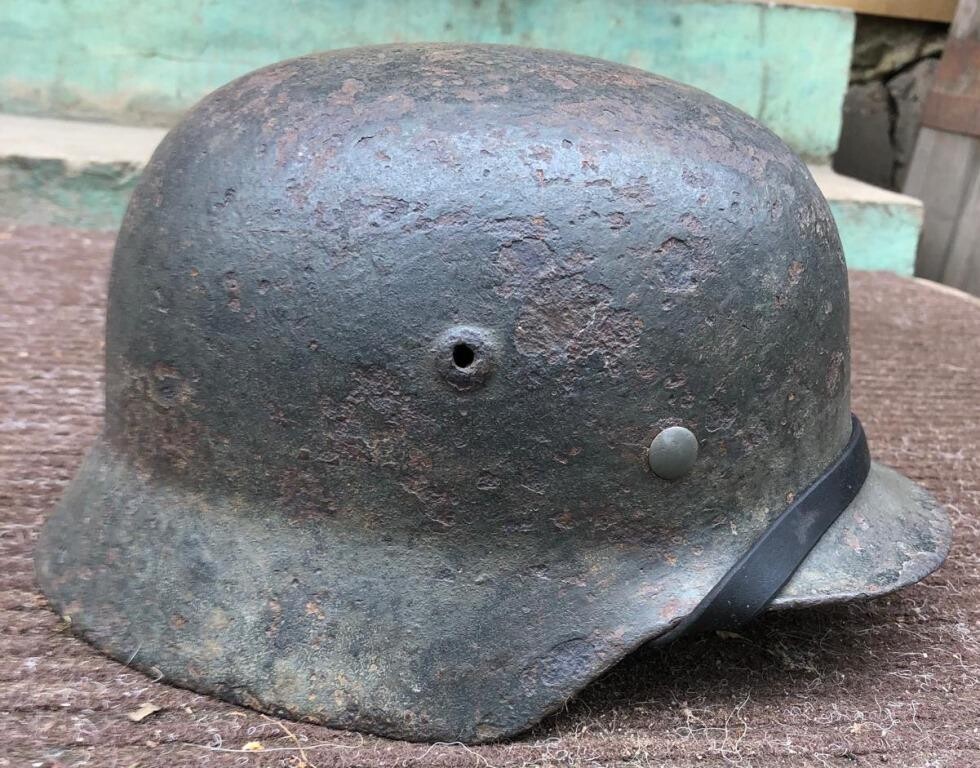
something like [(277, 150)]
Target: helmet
[(441, 377)]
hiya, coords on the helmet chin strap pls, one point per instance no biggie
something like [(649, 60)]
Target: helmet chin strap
[(760, 573)]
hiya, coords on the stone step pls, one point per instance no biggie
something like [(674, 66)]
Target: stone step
[(81, 174), (145, 63), (70, 172), (879, 228)]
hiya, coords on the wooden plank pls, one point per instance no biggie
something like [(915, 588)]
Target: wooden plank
[(953, 103), (923, 10), (945, 168), (939, 175), (963, 264)]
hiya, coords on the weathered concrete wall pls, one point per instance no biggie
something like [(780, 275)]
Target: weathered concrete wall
[(894, 63), (144, 63), (34, 191)]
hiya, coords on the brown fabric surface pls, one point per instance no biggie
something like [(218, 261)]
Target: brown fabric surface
[(896, 681)]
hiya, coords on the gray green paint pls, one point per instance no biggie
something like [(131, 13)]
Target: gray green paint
[(135, 62)]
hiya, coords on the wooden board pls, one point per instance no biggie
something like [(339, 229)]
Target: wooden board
[(941, 173), (924, 10), (945, 168)]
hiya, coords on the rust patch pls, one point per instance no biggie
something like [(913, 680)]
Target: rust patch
[(563, 663), (679, 265), (617, 220), (559, 80), (519, 261), (233, 290), (569, 320), (564, 521), (346, 94), (302, 491), (156, 409), (372, 425), (458, 218), (675, 608), (315, 611), (166, 386), (835, 372), (796, 270)]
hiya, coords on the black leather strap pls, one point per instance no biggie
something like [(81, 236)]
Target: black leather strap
[(762, 571)]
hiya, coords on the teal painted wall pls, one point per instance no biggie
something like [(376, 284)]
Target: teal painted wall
[(38, 191), (145, 62), (878, 235)]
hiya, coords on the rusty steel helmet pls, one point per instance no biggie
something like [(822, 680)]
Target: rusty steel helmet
[(441, 377)]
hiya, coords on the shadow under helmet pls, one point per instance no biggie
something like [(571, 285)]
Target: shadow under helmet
[(441, 377)]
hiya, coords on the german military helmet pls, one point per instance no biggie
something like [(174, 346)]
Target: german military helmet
[(441, 377)]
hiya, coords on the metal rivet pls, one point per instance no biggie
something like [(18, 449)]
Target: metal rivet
[(673, 452)]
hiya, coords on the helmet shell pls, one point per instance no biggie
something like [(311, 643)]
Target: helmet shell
[(390, 330), (630, 253)]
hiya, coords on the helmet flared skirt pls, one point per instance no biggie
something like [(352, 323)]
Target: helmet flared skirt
[(319, 621)]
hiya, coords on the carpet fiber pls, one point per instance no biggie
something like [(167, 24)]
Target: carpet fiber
[(894, 682)]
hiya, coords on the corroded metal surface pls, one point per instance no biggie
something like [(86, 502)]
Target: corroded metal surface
[(389, 332)]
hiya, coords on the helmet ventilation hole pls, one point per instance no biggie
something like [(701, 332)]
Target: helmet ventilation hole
[(463, 355)]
